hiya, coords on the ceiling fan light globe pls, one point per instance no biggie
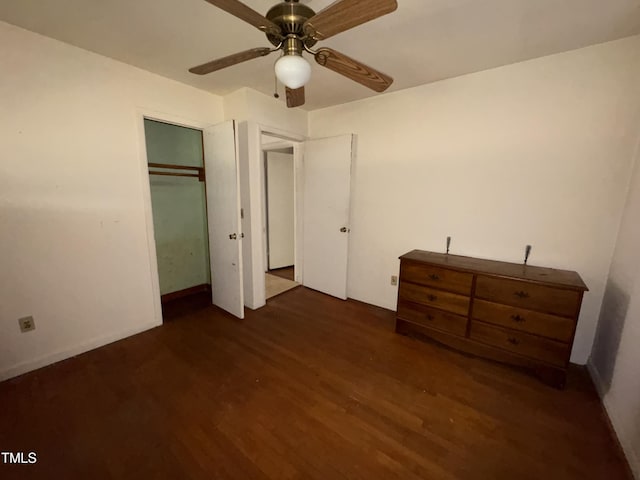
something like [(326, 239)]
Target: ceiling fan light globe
[(293, 71)]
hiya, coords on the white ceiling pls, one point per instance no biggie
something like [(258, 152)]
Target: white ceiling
[(423, 41)]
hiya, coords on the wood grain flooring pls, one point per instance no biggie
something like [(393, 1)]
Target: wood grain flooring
[(185, 306), (274, 286), (286, 272), (309, 387)]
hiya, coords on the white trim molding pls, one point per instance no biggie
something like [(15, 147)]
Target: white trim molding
[(25, 367), (619, 427)]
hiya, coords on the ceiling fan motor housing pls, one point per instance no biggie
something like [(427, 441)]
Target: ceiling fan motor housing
[(290, 16)]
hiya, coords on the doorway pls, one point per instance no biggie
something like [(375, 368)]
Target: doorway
[(219, 166), (175, 159), (278, 216), (322, 184)]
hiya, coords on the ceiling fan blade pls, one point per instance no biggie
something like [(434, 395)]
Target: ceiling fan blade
[(225, 62), (352, 69), (240, 10), (295, 98), (345, 14)]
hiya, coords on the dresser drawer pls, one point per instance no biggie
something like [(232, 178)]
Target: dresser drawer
[(551, 326), (527, 295), (432, 318), (434, 298), (531, 346), (442, 278)]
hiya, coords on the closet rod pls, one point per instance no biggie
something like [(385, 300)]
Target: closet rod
[(171, 174), (175, 167), (195, 172)]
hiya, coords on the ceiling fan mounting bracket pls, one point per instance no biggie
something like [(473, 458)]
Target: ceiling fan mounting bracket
[(292, 45), (290, 16)]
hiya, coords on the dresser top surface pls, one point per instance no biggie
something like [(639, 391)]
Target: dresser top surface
[(542, 275)]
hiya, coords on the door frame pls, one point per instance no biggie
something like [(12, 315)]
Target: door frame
[(252, 199), (141, 115)]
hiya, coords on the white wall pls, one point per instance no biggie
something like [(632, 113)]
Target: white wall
[(615, 358), (534, 153), (247, 104), (73, 193)]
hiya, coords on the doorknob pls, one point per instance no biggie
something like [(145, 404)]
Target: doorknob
[(345, 230), (233, 236)]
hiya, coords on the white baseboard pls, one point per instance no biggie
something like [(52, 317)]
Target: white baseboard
[(54, 357), (597, 379), (618, 426)]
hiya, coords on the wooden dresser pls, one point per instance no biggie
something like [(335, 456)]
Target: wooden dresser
[(516, 314)]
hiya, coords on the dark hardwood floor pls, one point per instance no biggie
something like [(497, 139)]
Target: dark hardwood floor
[(286, 272), (309, 387), (185, 306)]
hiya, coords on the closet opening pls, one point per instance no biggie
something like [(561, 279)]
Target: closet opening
[(175, 157)]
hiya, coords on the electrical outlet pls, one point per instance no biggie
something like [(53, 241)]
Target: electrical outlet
[(394, 279), (27, 324)]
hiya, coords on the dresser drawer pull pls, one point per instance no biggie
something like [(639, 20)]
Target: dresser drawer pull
[(514, 341), (434, 277), (430, 317), (521, 294), (517, 318), (431, 298)]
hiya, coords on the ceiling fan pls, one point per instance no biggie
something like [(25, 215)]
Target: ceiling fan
[(295, 28)]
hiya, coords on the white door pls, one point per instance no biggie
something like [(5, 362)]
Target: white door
[(280, 209), (327, 189), (223, 214)]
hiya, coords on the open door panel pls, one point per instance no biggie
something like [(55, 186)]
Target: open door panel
[(327, 194), (223, 213)]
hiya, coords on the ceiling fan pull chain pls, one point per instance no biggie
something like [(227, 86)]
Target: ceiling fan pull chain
[(276, 94)]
